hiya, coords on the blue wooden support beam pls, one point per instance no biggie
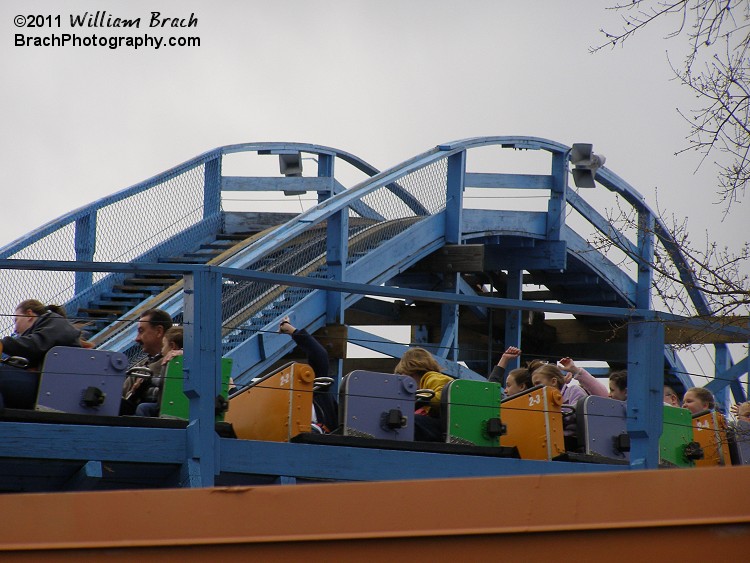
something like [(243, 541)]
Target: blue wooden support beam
[(724, 378), (297, 184), (542, 255), (337, 252), (448, 347), (307, 461), (85, 247), (513, 317), (738, 392), (465, 289), (454, 197), (367, 289), (556, 204), (722, 363), (602, 224), (400, 252), (645, 259), (488, 222), (604, 268), (509, 181), (212, 188), (359, 207), (202, 374), (88, 477), (84, 443), (645, 391)]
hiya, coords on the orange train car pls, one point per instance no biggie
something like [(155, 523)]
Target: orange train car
[(275, 408)]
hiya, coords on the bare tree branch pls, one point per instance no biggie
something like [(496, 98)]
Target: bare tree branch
[(716, 68)]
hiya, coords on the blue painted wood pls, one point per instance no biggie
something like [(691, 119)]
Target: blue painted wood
[(513, 317), (605, 269), (85, 246), (454, 197), (280, 184), (359, 207), (541, 255), (601, 224), (337, 249), (365, 289), (202, 372), (484, 222), (423, 238), (78, 442), (448, 346), (400, 252), (509, 181), (212, 188), (645, 260), (307, 461), (724, 378), (556, 203), (86, 478), (465, 289), (645, 391)]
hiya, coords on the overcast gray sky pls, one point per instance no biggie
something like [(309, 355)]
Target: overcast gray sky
[(382, 79)]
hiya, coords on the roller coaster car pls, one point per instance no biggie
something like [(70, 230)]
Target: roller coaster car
[(676, 445), (534, 423), (275, 407), (471, 412), (739, 443), (81, 381), (602, 427), (174, 402), (18, 385), (377, 405), (710, 431)]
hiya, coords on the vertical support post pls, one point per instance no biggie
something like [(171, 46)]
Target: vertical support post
[(454, 197), (454, 203), (85, 246), (645, 391), (212, 188), (448, 347), (556, 204), (646, 226), (202, 374), (513, 317), (337, 249), (722, 362)]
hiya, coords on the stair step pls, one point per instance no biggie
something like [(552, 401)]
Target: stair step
[(136, 294), (139, 290), (181, 260), (103, 304), (207, 253), (220, 245), (151, 281), (235, 236), (99, 312)]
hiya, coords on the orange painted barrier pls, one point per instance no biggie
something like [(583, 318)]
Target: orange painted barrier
[(619, 516)]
